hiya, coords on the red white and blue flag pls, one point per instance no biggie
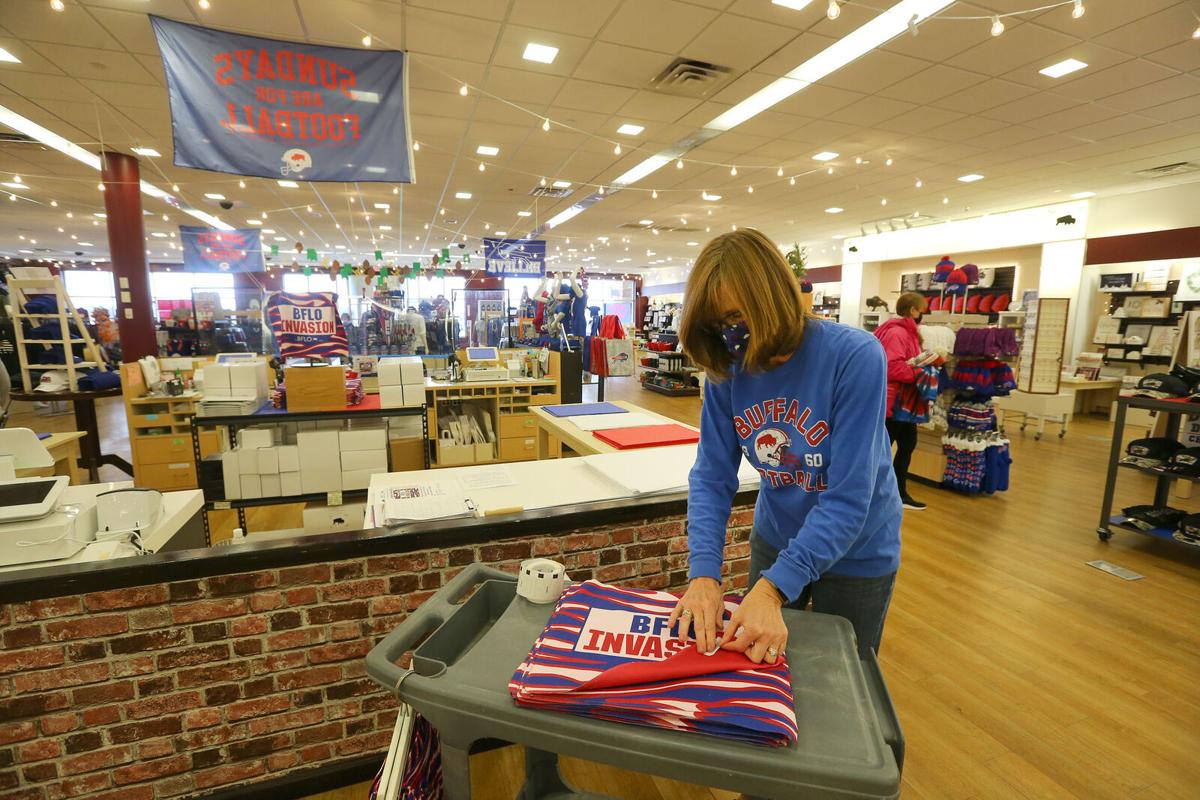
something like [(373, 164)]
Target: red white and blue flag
[(307, 325), (608, 653)]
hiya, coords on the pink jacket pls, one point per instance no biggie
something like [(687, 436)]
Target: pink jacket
[(900, 342)]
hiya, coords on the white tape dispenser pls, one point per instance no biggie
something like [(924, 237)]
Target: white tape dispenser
[(540, 580)]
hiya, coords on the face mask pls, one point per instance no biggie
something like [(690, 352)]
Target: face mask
[(920, 317), (736, 338)]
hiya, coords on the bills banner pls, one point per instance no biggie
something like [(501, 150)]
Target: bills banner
[(278, 109), (306, 325), (514, 258), (212, 250)]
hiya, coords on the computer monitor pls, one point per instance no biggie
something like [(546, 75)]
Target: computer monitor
[(30, 498), (482, 354)]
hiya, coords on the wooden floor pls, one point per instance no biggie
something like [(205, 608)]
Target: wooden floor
[(1017, 670)]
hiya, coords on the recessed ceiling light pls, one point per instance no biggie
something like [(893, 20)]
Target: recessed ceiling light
[(86, 244), (971, 178), (794, 5), (487, 150), (214, 196), (542, 53), (288, 184), (501, 233), (8, 57), (280, 238), (629, 129), (524, 213), (383, 206), (1063, 68), (825, 155), (693, 244), (147, 151), (100, 214), (1082, 195), (462, 195), (254, 222), (561, 184), (385, 227), (834, 210), (159, 234)]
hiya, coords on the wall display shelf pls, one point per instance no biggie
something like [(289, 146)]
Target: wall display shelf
[(672, 374)]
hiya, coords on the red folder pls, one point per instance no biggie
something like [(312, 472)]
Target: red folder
[(647, 436)]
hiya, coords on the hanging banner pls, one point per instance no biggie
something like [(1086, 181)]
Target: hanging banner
[(278, 109), (306, 325), (515, 258), (211, 250)]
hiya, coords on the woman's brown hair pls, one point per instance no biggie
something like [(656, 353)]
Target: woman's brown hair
[(909, 301), (748, 266)]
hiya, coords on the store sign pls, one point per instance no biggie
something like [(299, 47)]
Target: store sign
[(278, 109), (211, 250), (515, 258), (1117, 282), (306, 325)]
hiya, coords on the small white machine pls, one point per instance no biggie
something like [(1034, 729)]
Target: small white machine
[(26, 498), (483, 365), (125, 513)]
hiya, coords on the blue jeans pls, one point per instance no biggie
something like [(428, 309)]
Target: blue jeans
[(863, 601)]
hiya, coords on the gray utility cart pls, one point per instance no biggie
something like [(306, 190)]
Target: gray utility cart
[(850, 742)]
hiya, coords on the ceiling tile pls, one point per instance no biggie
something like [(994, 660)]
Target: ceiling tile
[(578, 19), (655, 106), (818, 101), (624, 66), (779, 15), (738, 42), (1110, 126), (793, 54), (511, 48), (932, 84), (989, 94), (589, 95), (474, 39), (1177, 88), (874, 71), (1096, 85), (1153, 32), (1031, 107), (275, 18), (1020, 45), (131, 30), (483, 9), (524, 87), (344, 23), (661, 25), (100, 64), (920, 120), (50, 87), (1183, 56), (1173, 112), (1101, 17), (871, 110), (36, 22)]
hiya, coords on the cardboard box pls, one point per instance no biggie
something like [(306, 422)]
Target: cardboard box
[(370, 439), (391, 396), (247, 380), (407, 454), (320, 388), (414, 395), (405, 428), (289, 458), (271, 485), (320, 467), (232, 474), (268, 461), (215, 378), (247, 461), (251, 487), (485, 452), (355, 460), (357, 479), (454, 454), (327, 519), (257, 436), (289, 484)]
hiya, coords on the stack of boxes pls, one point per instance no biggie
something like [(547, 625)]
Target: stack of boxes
[(401, 382), (363, 453), (240, 387), (261, 467)]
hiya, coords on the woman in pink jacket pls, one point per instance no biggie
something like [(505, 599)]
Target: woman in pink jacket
[(902, 342)]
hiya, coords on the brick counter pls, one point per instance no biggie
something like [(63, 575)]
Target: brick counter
[(187, 687)]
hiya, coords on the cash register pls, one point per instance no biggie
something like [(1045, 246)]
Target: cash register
[(32, 526), (483, 364)]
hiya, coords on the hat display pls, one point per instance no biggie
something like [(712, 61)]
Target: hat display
[(935, 304), (55, 380), (1146, 517), (973, 304), (956, 281), (943, 269), (1161, 385), (1185, 462), (1189, 375), (1001, 304), (972, 273), (985, 305), (1152, 452), (1189, 530), (987, 277)]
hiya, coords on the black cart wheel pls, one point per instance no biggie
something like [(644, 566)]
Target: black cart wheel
[(1104, 533)]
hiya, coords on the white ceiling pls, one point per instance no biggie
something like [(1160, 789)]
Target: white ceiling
[(950, 101)]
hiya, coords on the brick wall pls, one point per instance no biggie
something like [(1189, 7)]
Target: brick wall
[(183, 688)]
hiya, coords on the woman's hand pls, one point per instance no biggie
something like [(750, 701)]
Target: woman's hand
[(700, 608), (757, 627)]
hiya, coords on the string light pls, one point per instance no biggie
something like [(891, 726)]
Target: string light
[(1196, 33), (366, 40), (174, 187), (679, 163), (416, 146), (834, 10), (482, 167), (793, 180), (945, 201), (463, 90), (241, 184), (617, 149), (57, 5), (543, 181), (100, 186), (750, 189), (600, 190), (919, 183), (546, 124), (205, 5), (779, 172), (395, 190), (54, 204), (1078, 11), (829, 171), (883, 202), (733, 172), (858, 160), (889, 162), (997, 25)]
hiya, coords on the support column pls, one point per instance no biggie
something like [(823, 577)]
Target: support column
[(127, 247)]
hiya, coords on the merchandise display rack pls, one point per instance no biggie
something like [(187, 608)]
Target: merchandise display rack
[(667, 381), (232, 423), (1172, 319), (1162, 488), (72, 332)]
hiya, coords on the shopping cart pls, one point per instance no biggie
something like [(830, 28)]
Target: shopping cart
[(850, 743)]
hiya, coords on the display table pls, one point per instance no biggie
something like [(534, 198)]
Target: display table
[(63, 447), (1056, 409), (581, 441), (85, 420), (1105, 391)]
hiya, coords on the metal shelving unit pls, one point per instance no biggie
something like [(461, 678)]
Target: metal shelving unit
[(1174, 413), (266, 416)]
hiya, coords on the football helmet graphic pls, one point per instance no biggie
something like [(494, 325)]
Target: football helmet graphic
[(771, 446), (295, 161)]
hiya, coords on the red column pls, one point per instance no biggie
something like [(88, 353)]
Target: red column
[(127, 246)]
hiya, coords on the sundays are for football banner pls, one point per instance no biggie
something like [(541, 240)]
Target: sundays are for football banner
[(211, 250), (277, 109), (515, 258), (306, 325)]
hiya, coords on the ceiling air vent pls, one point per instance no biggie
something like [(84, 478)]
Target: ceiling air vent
[(1178, 168), (691, 78), (10, 136), (550, 191)]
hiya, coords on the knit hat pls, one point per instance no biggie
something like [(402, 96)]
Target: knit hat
[(935, 304), (1001, 303), (973, 304), (987, 277), (985, 305), (972, 273), (956, 281), (943, 270), (958, 304)]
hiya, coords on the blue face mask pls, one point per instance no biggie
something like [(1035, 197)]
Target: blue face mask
[(736, 338)]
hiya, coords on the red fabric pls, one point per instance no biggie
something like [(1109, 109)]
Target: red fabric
[(647, 436), (1001, 303), (599, 357), (687, 663), (900, 342), (611, 328), (985, 305), (958, 304)]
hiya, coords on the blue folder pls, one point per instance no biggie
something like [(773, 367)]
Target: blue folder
[(583, 409)]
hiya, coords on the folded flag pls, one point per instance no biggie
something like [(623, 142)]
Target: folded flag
[(607, 653)]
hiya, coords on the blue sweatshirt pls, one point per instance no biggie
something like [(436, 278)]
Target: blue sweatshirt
[(813, 427)]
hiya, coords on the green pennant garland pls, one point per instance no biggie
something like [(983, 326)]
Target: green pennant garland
[(307, 270), (312, 254), (379, 255), (274, 249), (446, 253)]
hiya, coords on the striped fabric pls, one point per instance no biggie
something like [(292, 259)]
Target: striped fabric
[(307, 325), (607, 653)]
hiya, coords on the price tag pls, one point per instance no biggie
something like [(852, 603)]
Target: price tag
[(333, 498), (222, 505)]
